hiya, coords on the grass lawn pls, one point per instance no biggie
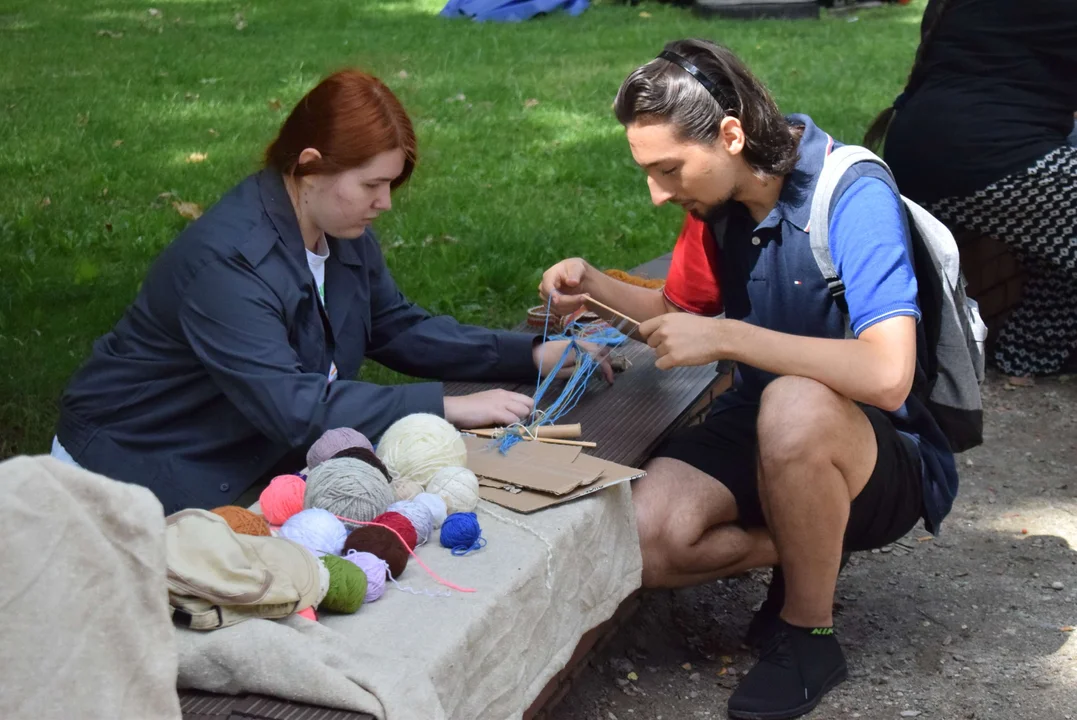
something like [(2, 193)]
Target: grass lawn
[(105, 105)]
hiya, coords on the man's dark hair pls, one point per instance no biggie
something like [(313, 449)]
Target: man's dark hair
[(664, 91)]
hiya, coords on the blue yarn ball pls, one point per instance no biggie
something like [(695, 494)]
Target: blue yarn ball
[(461, 533)]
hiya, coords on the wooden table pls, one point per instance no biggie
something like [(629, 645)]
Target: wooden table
[(627, 420)]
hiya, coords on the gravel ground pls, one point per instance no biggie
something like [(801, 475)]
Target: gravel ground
[(973, 624)]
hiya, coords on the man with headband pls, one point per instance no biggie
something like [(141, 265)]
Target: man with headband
[(824, 444)]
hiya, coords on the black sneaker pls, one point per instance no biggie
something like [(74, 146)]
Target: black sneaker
[(795, 670), (765, 619)]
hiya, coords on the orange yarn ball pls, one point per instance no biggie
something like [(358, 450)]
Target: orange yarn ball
[(242, 520)]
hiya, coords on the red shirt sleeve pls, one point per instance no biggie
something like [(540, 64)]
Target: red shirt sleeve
[(692, 282)]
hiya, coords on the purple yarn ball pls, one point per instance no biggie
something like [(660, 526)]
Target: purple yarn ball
[(332, 442)]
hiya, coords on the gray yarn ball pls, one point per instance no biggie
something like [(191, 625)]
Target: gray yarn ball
[(348, 488)]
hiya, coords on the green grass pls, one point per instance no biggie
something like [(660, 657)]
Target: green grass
[(517, 187)]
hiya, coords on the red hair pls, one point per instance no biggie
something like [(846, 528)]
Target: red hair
[(349, 117)]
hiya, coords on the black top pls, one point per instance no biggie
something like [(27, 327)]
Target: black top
[(998, 91)]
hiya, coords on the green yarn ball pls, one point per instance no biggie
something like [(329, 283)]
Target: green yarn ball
[(347, 585)]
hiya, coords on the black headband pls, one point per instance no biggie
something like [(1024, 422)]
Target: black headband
[(695, 72)]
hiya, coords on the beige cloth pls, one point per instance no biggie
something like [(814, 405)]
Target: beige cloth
[(470, 656), (84, 616), (217, 577)]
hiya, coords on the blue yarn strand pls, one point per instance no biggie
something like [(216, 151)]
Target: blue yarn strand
[(601, 334)]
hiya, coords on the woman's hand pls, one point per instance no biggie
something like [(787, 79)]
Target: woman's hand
[(548, 353), (490, 408)]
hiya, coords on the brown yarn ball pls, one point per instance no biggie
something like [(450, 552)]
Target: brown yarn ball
[(361, 453), (243, 521), (380, 542)]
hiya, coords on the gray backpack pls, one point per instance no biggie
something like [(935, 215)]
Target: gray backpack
[(951, 320)]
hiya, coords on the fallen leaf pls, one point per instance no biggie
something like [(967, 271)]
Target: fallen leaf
[(45, 202), (189, 210), (213, 132), (117, 143), (403, 74), (1067, 628), (197, 157), (274, 104), (644, 14), (722, 672), (165, 195), (1024, 531), (239, 21), (633, 676), (530, 103), (115, 35), (153, 12), (687, 666), (104, 193), (925, 538), (727, 659)]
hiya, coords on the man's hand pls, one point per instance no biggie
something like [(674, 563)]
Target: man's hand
[(681, 339), (490, 408), (547, 354), (564, 283)]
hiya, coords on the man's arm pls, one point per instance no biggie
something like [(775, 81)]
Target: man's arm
[(869, 243), (877, 368)]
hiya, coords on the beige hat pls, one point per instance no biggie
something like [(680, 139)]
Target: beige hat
[(217, 577)]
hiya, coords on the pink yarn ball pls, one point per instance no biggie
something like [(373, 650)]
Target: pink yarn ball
[(332, 442), (308, 613), (282, 499)]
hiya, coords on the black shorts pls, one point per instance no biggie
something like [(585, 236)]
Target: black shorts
[(725, 444)]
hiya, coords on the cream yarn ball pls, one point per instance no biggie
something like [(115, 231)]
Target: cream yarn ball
[(418, 445), (457, 486), (406, 489)]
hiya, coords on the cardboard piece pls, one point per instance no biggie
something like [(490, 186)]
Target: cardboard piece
[(530, 464), (533, 475)]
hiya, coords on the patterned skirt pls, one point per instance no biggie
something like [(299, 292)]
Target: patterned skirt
[(1035, 213)]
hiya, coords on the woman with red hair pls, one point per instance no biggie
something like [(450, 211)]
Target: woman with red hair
[(241, 347)]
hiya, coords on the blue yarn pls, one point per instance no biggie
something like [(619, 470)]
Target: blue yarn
[(594, 333), (461, 533)]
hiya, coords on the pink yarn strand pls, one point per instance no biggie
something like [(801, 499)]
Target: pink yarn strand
[(411, 552)]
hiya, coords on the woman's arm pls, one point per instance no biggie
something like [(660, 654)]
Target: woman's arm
[(406, 338)]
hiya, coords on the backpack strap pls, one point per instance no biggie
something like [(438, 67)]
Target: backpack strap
[(837, 163)]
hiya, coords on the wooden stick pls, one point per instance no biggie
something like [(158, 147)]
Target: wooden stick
[(493, 433), (607, 308), (561, 432)]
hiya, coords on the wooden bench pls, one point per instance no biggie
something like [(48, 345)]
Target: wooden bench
[(627, 421)]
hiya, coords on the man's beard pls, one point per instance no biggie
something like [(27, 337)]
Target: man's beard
[(715, 212)]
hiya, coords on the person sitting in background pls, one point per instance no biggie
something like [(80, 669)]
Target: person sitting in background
[(979, 138), (243, 342)]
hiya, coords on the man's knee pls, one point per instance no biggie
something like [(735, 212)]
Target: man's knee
[(798, 420), (674, 505)]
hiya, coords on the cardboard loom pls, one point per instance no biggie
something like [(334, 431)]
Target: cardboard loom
[(535, 475)]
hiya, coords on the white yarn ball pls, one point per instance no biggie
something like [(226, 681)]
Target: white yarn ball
[(457, 486), (418, 445), (435, 505), (406, 489)]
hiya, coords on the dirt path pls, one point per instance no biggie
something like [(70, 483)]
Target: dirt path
[(967, 625)]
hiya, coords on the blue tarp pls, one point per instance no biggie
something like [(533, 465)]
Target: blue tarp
[(510, 10)]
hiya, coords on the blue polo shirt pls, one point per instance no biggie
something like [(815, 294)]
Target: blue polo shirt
[(769, 278)]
